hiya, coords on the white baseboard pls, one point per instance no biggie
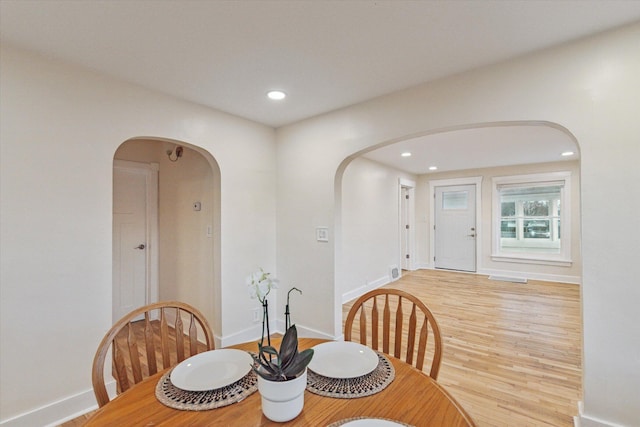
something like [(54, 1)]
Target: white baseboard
[(59, 412), (522, 280), (575, 280), (246, 335), (355, 293), (582, 420), (306, 332), (253, 334)]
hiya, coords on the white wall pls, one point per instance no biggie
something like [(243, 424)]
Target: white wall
[(186, 253), (591, 88), (370, 226), (60, 129), (568, 274)]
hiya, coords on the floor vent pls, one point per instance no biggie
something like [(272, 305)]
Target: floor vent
[(508, 279), (395, 273)]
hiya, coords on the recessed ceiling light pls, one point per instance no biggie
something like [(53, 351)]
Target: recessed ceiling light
[(567, 153), (276, 95), (406, 154), (433, 168)]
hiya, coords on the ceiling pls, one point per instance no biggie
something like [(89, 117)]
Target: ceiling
[(325, 55), (479, 147)]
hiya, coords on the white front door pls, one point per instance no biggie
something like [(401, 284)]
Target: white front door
[(455, 227), (130, 237)]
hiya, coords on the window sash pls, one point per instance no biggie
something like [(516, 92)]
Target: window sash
[(519, 233)]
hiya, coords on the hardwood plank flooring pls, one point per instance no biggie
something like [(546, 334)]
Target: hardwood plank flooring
[(512, 352)]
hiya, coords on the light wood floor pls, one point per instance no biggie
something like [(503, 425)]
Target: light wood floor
[(512, 352)]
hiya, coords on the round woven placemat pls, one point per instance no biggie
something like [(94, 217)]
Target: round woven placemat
[(350, 388), (176, 398), (348, 420)]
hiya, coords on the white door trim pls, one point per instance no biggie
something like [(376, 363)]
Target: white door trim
[(477, 180), (152, 253)]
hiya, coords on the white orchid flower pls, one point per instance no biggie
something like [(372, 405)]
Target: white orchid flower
[(260, 284)]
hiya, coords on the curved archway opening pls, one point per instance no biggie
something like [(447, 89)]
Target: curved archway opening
[(369, 247), (359, 182), (181, 255)]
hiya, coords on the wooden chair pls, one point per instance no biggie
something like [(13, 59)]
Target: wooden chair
[(404, 319), (149, 339)]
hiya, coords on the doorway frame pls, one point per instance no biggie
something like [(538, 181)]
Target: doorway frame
[(473, 180), (410, 216), (152, 284)]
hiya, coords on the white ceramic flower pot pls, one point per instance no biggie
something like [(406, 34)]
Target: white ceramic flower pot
[(282, 400)]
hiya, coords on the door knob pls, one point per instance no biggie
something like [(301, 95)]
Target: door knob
[(140, 246), (471, 235)]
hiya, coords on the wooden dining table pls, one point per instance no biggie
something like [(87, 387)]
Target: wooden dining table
[(412, 398)]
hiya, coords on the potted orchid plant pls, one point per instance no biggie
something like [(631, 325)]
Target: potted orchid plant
[(282, 374)]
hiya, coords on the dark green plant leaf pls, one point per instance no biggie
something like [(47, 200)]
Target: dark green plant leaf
[(269, 350), (267, 354), (299, 364), (284, 365), (289, 362), (264, 370), (263, 358), (289, 346), (265, 366), (265, 375)]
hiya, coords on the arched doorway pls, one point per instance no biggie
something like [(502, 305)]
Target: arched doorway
[(371, 181), (182, 258)]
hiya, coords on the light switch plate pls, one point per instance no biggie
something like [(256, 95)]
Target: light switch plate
[(322, 234)]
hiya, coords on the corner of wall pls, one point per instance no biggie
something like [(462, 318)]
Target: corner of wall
[(582, 420), (307, 332)]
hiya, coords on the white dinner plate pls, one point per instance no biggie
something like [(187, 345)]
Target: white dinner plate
[(371, 422), (211, 369), (343, 359)]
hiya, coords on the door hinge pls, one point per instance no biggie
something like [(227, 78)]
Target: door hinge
[(406, 196), (407, 256), (406, 226)]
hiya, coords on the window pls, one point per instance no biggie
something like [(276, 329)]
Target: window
[(454, 200), (528, 213)]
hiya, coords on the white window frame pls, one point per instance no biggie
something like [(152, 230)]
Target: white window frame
[(564, 257)]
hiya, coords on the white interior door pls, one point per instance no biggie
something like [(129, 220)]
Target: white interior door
[(455, 227), (130, 237), (405, 249)]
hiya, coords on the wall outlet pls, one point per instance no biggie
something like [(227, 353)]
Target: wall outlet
[(256, 315)]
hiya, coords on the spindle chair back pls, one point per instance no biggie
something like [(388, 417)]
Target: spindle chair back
[(398, 324), (148, 339)]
